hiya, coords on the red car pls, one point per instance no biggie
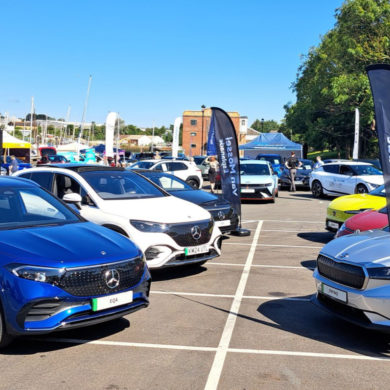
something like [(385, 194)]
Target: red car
[(367, 220)]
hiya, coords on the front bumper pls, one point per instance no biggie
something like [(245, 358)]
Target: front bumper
[(333, 225), (257, 192), (39, 308), (299, 182), (368, 308)]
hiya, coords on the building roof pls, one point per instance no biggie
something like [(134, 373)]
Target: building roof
[(207, 112)]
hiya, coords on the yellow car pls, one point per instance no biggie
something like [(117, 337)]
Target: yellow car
[(344, 207)]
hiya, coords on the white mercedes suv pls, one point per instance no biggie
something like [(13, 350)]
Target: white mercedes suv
[(345, 178), (170, 231)]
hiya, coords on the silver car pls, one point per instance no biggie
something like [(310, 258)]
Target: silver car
[(353, 279)]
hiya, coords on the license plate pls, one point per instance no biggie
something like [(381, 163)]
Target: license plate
[(333, 225), (334, 293), (196, 250), (299, 182), (112, 301), (222, 223), (247, 190)]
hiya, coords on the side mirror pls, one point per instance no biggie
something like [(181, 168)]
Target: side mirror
[(73, 198)]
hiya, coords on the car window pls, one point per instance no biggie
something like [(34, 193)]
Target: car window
[(158, 167), (171, 183), (334, 168), (254, 169), (176, 166), (64, 184), (44, 179), (199, 160), (27, 207), (366, 170), (143, 165), (346, 170), (26, 175), (110, 185)]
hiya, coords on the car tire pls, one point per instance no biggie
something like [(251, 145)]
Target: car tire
[(361, 189), (193, 183), (277, 194), (5, 338), (317, 190)]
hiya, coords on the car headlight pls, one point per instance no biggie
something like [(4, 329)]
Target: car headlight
[(149, 227), (37, 274), (373, 185), (379, 273), (268, 184)]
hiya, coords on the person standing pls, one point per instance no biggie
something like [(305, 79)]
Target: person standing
[(319, 162), (213, 169), (14, 166), (292, 164)]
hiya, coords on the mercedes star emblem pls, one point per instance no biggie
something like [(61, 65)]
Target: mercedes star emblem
[(196, 232), (221, 215), (112, 278)]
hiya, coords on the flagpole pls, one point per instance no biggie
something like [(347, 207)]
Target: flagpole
[(83, 117)]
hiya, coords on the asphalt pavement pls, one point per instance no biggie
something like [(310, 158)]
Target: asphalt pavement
[(241, 321)]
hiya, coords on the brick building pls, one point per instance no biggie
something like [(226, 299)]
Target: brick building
[(196, 126)]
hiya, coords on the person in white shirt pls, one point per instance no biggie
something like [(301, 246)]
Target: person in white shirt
[(319, 162)]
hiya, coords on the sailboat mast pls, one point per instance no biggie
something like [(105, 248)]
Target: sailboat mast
[(84, 112)]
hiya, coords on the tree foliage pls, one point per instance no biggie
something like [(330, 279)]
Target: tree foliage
[(332, 81), (265, 125)]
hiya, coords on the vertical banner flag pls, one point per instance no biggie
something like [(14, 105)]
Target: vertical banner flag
[(211, 146), (110, 127), (225, 139), (379, 76), (355, 154), (175, 137)]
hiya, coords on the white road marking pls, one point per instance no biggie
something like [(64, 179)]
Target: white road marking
[(219, 359), (274, 245), (195, 294), (262, 265), (213, 349), (281, 220)]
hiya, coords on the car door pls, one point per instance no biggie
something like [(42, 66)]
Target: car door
[(348, 182), (178, 169), (330, 177)]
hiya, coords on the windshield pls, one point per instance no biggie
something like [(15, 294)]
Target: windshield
[(199, 160), (31, 207), (254, 169), (306, 164), (364, 170), (111, 185), (170, 183), (142, 165), (270, 159), (380, 191)]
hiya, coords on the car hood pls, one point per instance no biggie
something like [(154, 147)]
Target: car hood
[(167, 209), (200, 197), (357, 202), (255, 179), (364, 248), (71, 245), (374, 179), (367, 220)]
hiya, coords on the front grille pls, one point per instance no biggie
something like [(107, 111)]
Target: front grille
[(344, 273), (90, 281), (227, 213), (182, 233)]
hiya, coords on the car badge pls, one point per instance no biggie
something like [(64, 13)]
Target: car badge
[(334, 213), (221, 215), (103, 253), (344, 255), (196, 232), (112, 278)]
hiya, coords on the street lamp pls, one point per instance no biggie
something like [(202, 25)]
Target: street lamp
[(201, 149), (262, 125)]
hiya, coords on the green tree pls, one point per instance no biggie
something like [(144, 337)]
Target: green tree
[(267, 125), (332, 81)]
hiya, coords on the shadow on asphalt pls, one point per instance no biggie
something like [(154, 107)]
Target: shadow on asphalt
[(40, 344), (306, 320), (320, 237), (176, 272), (309, 264)]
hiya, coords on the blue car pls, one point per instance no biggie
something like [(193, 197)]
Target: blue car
[(274, 159), (58, 271), (21, 165)]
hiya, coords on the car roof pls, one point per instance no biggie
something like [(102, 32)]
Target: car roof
[(16, 182), (83, 167), (347, 162), (260, 162)]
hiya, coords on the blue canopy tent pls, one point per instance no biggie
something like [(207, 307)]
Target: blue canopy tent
[(271, 143)]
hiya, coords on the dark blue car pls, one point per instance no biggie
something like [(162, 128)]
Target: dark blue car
[(58, 271), (274, 159)]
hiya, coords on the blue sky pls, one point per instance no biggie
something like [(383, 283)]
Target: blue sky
[(150, 60)]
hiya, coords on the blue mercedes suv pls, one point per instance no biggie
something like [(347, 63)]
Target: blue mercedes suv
[(58, 271)]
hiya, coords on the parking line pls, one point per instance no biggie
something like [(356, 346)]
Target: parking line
[(281, 220), (195, 294), (213, 349), (263, 266), (274, 245), (219, 359)]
